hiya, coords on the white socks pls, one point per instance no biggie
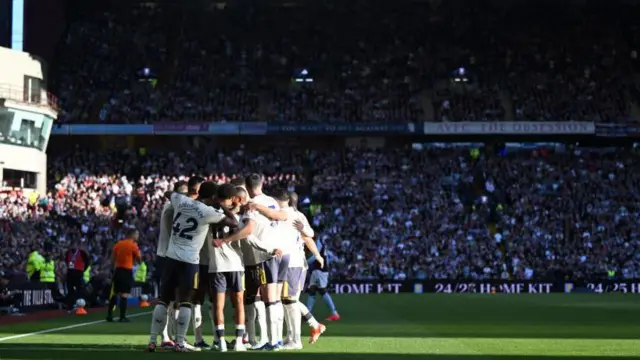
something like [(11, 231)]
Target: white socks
[(272, 318), (261, 313), (165, 331), (294, 322), (184, 318), (280, 309), (197, 323), (158, 322), (311, 321), (171, 323)]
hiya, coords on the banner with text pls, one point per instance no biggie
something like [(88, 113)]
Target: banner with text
[(510, 128), (181, 128), (177, 128), (618, 130), (32, 295), (484, 287), (341, 129)]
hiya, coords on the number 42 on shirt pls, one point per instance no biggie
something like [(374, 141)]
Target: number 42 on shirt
[(184, 227)]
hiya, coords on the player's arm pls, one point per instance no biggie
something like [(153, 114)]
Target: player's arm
[(242, 233), (311, 245), (229, 218), (302, 224), (259, 245), (272, 214)]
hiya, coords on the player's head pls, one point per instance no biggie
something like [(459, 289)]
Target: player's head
[(239, 181), (282, 197), (132, 234), (226, 195), (194, 185), (254, 184), (207, 191), (293, 199), (181, 187), (241, 198)]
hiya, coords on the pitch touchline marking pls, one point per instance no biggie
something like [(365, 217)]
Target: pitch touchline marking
[(68, 327)]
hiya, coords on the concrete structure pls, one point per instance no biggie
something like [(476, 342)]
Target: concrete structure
[(27, 112)]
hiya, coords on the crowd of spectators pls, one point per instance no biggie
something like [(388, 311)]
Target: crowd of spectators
[(369, 62), (387, 213)]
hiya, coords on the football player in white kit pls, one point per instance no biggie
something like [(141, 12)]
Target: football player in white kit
[(226, 271), (267, 270), (191, 223), (166, 218), (296, 272)]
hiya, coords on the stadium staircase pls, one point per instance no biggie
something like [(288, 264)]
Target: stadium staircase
[(426, 101)]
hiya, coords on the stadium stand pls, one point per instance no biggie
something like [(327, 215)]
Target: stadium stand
[(434, 61), (391, 213)]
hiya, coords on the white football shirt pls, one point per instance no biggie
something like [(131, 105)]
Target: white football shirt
[(260, 245), (296, 248), (228, 257), (190, 227), (165, 230), (287, 234), (266, 229)]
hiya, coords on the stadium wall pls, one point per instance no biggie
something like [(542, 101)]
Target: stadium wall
[(20, 158), (15, 65)]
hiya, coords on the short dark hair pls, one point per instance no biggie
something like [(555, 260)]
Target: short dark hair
[(181, 187), (208, 190), (293, 199), (226, 191), (239, 181), (131, 232), (193, 183), (281, 195), (240, 190), (254, 181)]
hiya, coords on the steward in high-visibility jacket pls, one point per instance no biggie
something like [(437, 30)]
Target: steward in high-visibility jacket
[(35, 262), (86, 276), (141, 273), (48, 272)]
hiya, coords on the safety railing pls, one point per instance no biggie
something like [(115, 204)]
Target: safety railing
[(40, 98)]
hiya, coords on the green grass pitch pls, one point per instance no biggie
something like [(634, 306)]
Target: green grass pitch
[(386, 327)]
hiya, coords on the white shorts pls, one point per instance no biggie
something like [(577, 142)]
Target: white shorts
[(319, 279)]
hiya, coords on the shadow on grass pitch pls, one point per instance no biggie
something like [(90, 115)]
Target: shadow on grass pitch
[(121, 352)]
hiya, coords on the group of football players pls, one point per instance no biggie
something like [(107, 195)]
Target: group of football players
[(232, 238)]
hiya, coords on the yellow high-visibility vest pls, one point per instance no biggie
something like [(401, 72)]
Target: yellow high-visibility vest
[(48, 272), (35, 262), (141, 273), (86, 276)]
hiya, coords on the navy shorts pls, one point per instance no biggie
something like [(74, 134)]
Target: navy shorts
[(283, 268), (179, 274), (275, 269), (254, 276), (203, 284), (295, 282), (159, 268), (232, 281)]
